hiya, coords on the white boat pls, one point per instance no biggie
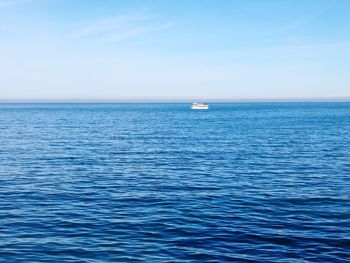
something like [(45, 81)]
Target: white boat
[(199, 106)]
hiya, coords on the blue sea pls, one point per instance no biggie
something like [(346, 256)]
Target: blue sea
[(241, 182)]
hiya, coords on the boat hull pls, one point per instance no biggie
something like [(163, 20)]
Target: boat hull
[(197, 107)]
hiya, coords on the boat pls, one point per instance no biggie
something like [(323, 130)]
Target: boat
[(199, 106)]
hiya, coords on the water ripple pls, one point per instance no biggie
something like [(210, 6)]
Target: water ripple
[(256, 182)]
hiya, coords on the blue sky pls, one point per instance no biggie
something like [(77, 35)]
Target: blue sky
[(174, 50)]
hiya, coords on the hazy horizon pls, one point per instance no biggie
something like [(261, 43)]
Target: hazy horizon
[(188, 100), (142, 50)]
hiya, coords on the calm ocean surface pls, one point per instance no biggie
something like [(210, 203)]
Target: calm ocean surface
[(258, 182)]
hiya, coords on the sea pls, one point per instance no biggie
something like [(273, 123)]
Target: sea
[(118, 182)]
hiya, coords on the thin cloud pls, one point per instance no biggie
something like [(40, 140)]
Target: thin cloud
[(120, 28), (134, 32)]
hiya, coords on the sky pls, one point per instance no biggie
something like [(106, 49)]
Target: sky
[(174, 50)]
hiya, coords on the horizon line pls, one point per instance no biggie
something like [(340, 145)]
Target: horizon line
[(179, 100)]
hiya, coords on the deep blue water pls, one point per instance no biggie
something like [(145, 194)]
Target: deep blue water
[(259, 182)]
